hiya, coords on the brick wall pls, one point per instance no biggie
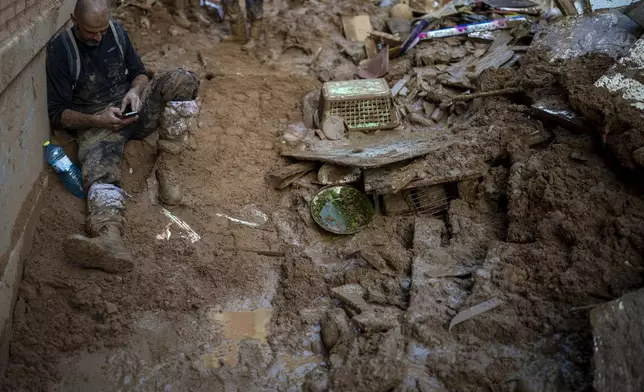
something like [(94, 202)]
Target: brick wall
[(26, 26), (15, 14)]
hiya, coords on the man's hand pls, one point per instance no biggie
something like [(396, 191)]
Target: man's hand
[(110, 119), (132, 100)]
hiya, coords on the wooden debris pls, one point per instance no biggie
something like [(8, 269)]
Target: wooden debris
[(370, 48), (285, 176), (469, 97), (420, 119), (400, 84), (374, 151), (356, 28), (499, 53), (474, 311), (428, 72), (436, 167), (335, 175), (387, 39), (567, 7)]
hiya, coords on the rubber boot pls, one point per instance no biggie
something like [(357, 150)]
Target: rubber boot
[(255, 33), (180, 14), (105, 221), (106, 251), (175, 124), (171, 188), (238, 30)]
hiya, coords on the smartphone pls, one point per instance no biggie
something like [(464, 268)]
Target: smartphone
[(131, 114)]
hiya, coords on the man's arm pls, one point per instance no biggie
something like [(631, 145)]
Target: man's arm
[(139, 83), (108, 118), (76, 120), (59, 88)]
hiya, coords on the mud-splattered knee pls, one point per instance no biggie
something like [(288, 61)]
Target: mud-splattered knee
[(179, 85)]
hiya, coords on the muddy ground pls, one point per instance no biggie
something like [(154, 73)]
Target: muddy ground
[(550, 230)]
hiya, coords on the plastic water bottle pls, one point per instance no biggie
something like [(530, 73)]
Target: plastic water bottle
[(65, 168)]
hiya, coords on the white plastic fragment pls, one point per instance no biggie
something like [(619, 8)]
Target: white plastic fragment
[(243, 222), (474, 311), (190, 234)]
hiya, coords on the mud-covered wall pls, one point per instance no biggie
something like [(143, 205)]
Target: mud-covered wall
[(24, 126)]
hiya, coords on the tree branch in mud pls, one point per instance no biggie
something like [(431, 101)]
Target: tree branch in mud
[(469, 97)]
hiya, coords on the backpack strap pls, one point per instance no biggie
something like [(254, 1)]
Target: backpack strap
[(119, 37), (72, 55)]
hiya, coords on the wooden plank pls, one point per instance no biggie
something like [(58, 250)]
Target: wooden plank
[(437, 167), (567, 7), (356, 28), (369, 152), (497, 54), (370, 48), (285, 176), (387, 39)]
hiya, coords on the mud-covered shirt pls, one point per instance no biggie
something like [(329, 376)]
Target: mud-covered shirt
[(105, 77)]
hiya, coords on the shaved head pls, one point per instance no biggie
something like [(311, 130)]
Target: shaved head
[(89, 8), (92, 18)]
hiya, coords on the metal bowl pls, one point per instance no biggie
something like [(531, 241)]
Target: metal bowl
[(341, 209)]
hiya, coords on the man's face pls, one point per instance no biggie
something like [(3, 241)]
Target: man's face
[(91, 28)]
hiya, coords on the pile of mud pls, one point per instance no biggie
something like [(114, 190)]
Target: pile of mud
[(309, 38), (549, 231)]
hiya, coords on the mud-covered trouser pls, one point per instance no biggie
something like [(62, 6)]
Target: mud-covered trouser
[(254, 10), (100, 149)]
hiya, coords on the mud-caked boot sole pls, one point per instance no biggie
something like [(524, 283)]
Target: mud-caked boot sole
[(97, 253)]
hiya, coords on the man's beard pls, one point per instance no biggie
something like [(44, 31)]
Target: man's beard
[(91, 43)]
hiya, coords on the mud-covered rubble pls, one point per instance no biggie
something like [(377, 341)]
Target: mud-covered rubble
[(311, 36), (494, 294)]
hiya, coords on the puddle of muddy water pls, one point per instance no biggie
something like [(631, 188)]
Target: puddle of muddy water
[(287, 368), (238, 326)]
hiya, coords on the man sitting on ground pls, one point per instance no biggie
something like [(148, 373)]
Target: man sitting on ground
[(94, 76)]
